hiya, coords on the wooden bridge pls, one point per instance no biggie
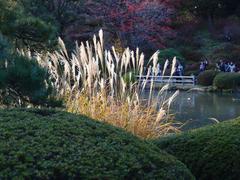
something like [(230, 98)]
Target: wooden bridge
[(172, 80)]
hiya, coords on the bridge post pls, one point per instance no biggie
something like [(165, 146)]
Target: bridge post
[(194, 80)]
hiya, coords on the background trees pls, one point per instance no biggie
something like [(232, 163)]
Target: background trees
[(212, 9), (23, 80), (146, 24), (23, 29), (62, 13), (195, 29)]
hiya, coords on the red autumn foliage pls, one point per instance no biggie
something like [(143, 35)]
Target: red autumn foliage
[(143, 23)]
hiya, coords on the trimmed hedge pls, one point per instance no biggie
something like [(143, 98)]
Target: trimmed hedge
[(47, 144), (206, 78), (210, 153), (227, 81)]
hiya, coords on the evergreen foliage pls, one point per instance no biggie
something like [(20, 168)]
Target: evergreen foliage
[(224, 81), (47, 144), (206, 78), (210, 153)]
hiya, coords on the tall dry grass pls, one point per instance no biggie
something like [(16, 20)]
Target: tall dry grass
[(101, 84)]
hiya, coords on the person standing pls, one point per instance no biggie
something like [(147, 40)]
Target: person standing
[(222, 66), (202, 67), (232, 67), (227, 67), (205, 64), (159, 70), (218, 66), (180, 69)]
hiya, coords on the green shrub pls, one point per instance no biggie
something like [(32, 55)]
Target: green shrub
[(129, 78), (227, 81), (47, 144), (210, 153), (169, 54), (206, 78), (191, 54)]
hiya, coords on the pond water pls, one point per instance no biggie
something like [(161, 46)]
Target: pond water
[(197, 109)]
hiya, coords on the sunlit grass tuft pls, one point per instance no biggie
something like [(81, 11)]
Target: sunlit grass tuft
[(101, 84)]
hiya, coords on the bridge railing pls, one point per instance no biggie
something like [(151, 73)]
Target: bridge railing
[(184, 80)]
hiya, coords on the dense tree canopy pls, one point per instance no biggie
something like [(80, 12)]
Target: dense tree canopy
[(214, 8), (23, 80), (141, 23), (60, 12), (24, 29)]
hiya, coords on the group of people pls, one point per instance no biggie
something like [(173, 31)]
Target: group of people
[(225, 66), (203, 65), (179, 70)]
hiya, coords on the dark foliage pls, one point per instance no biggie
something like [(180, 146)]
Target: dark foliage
[(169, 54), (5, 49), (24, 29), (227, 81), (210, 153), (206, 78), (27, 79), (46, 144)]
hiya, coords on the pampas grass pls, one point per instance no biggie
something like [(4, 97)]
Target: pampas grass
[(91, 80)]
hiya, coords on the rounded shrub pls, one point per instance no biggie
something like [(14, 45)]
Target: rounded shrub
[(210, 152), (47, 144), (227, 81), (206, 78)]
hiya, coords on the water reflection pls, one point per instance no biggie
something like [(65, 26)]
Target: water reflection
[(198, 109)]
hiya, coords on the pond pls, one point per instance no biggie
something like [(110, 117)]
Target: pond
[(198, 109)]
